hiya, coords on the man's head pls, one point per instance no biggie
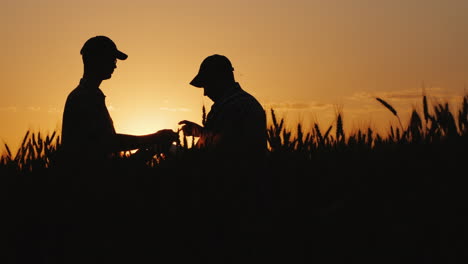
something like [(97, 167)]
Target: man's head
[(100, 56), (215, 76)]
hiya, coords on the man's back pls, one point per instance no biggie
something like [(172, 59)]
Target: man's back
[(240, 121)]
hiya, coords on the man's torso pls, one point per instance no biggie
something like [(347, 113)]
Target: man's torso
[(86, 120)]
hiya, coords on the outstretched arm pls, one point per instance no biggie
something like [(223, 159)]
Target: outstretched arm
[(191, 129), (164, 138), (207, 137)]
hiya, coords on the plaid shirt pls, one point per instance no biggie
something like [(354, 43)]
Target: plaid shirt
[(237, 124), (87, 126)]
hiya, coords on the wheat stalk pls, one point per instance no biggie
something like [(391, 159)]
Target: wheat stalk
[(389, 107)]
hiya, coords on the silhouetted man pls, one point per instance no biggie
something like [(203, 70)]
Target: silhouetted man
[(92, 186), (232, 181), (236, 124), (87, 130)]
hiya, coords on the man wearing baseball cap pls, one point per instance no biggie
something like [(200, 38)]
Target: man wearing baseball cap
[(233, 140), (87, 129), (236, 123), (89, 177)]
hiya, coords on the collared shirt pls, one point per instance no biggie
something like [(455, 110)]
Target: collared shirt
[(87, 126), (238, 124)]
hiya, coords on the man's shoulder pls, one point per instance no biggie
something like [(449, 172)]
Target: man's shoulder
[(81, 99), (77, 93), (248, 101), (80, 93), (242, 105)]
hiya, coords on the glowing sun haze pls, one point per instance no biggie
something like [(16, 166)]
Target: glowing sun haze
[(306, 59)]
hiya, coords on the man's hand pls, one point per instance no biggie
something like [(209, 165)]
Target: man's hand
[(191, 128), (165, 137)]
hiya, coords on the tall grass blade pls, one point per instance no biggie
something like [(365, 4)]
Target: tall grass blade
[(204, 115), (8, 152), (339, 128), (389, 107)]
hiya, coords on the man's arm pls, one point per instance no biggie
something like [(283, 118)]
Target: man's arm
[(193, 129), (163, 138)]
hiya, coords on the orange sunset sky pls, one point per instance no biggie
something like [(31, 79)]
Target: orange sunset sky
[(306, 59)]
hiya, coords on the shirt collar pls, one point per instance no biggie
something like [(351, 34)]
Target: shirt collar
[(237, 89)]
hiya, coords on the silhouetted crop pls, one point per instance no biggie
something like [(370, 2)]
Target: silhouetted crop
[(350, 194), (37, 151)]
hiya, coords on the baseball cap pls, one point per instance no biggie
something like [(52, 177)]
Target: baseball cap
[(213, 66), (100, 45)]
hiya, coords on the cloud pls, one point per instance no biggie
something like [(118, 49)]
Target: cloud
[(360, 96), (12, 109), (53, 110), (404, 95), (297, 106), (34, 108), (171, 109)]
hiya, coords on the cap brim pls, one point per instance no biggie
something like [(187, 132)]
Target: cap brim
[(197, 81), (120, 55)]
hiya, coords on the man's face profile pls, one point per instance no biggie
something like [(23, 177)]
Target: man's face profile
[(108, 67), (103, 66), (213, 89)]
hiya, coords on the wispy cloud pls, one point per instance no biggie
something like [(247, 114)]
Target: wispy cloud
[(171, 109), (53, 110), (415, 93), (34, 108), (405, 95), (362, 96), (12, 109), (297, 106)]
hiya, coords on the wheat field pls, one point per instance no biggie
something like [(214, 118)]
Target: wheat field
[(324, 193)]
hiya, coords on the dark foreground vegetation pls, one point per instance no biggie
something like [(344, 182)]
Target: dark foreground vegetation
[(322, 196)]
